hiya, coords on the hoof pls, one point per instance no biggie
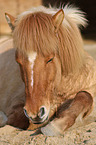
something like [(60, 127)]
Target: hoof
[(3, 119), (50, 130)]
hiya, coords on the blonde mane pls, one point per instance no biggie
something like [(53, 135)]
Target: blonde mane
[(34, 31)]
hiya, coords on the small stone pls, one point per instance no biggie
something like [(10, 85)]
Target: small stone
[(89, 130)]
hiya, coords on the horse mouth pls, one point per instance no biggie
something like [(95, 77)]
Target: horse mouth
[(38, 120)]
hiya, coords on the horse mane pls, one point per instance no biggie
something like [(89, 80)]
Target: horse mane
[(34, 31)]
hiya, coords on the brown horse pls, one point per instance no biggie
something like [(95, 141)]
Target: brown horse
[(59, 76)]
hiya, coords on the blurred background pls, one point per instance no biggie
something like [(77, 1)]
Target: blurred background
[(15, 7)]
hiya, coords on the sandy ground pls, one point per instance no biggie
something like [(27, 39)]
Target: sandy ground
[(79, 136), (83, 134)]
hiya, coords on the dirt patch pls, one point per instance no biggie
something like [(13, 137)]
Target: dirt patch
[(82, 135)]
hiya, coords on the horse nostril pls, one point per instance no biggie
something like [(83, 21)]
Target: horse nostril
[(42, 112), (25, 112)]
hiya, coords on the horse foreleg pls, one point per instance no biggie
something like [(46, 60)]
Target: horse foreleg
[(17, 118), (81, 104)]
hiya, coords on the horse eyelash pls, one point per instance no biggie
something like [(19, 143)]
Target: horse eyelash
[(49, 60)]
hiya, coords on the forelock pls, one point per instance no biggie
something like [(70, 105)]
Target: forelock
[(35, 32)]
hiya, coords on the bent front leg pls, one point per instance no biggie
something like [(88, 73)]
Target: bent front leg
[(17, 118), (81, 104)]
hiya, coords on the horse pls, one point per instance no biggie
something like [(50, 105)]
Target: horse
[(59, 75)]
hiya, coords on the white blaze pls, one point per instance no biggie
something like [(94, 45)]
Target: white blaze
[(32, 58)]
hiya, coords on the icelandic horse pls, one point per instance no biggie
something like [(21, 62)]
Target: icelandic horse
[(59, 76)]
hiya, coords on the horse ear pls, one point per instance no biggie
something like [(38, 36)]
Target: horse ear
[(58, 19), (10, 20)]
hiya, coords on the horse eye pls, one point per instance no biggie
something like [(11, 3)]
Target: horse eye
[(49, 60)]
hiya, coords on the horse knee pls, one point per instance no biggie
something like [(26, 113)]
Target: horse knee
[(85, 97), (87, 102), (3, 119)]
